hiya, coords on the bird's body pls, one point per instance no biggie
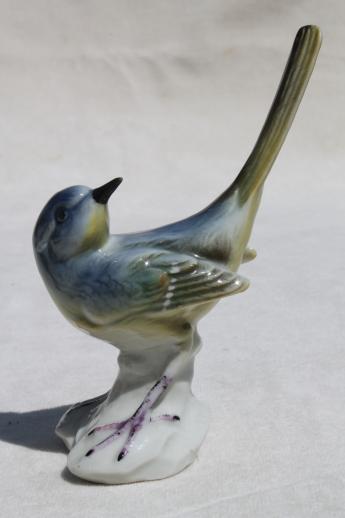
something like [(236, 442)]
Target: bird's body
[(171, 269), (150, 288)]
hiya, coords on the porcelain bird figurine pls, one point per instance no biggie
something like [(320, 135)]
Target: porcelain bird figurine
[(145, 292)]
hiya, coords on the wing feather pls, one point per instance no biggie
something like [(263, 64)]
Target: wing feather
[(179, 280)]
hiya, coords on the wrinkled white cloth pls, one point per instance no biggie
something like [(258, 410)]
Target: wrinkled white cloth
[(171, 95)]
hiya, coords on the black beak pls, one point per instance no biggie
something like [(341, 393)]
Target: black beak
[(103, 193)]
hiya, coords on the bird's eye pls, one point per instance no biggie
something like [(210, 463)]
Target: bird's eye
[(61, 214)]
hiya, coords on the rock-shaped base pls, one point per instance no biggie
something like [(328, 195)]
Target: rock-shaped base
[(161, 448), (138, 415)]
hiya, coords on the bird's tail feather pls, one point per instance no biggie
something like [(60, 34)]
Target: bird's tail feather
[(290, 92)]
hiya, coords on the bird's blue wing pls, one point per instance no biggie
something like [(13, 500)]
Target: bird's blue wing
[(159, 281), (154, 281)]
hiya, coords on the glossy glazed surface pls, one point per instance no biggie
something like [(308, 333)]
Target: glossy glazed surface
[(145, 292)]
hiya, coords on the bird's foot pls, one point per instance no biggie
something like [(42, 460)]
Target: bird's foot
[(134, 424)]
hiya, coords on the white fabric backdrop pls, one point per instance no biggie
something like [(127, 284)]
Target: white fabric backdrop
[(171, 95)]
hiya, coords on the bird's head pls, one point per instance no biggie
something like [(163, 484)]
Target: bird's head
[(73, 221)]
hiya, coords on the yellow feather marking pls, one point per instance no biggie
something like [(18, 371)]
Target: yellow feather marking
[(97, 228)]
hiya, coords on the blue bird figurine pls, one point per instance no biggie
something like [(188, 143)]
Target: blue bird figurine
[(145, 292)]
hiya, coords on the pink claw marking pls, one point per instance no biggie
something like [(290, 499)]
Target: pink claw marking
[(134, 423), (165, 417), (111, 426)]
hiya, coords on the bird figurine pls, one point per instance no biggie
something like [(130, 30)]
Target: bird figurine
[(145, 293)]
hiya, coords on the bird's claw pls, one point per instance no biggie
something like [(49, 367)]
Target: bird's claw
[(133, 425), (165, 417), (135, 422)]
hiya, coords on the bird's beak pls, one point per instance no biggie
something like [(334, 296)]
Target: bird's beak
[(103, 193)]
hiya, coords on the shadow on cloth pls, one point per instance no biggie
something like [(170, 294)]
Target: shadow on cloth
[(72, 479), (33, 429), (36, 430)]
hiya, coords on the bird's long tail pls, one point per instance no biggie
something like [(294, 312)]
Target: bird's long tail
[(290, 92)]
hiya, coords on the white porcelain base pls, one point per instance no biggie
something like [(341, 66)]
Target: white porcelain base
[(162, 449)]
